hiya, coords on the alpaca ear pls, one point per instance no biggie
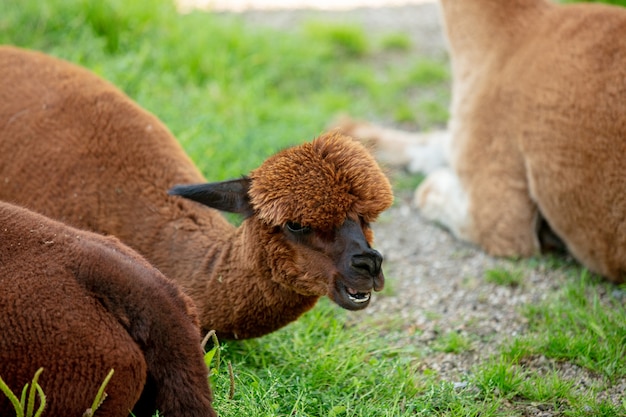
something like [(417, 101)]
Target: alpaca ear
[(231, 196)]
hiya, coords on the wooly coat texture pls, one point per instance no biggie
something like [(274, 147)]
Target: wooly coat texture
[(537, 131), (76, 149), (79, 304)]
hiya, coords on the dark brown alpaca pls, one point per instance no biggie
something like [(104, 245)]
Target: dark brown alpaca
[(75, 148), (80, 304)]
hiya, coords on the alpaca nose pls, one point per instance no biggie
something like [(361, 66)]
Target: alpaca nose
[(369, 262)]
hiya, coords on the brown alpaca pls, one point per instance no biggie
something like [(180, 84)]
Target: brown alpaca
[(75, 148), (79, 304), (537, 130)]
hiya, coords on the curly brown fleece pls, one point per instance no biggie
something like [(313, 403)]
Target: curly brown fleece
[(75, 148), (319, 183), (78, 305)]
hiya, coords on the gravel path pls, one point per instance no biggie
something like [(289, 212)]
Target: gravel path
[(419, 21), (437, 283), (438, 287)]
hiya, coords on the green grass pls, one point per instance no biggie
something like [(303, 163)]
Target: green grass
[(585, 326), (614, 2), (312, 368), (452, 342), (233, 95), (26, 405), (396, 42), (582, 326), (342, 40), (505, 277)]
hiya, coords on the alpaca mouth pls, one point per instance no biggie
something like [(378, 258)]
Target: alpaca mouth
[(358, 297), (351, 298)]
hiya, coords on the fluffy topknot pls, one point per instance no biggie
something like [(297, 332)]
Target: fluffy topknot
[(320, 183)]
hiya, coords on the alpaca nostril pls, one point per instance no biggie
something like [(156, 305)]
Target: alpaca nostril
[(369, 262)]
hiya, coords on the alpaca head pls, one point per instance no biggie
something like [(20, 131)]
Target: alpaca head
[(312, 206)]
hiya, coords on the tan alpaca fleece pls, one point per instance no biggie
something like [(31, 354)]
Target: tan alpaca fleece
[(537, 130)]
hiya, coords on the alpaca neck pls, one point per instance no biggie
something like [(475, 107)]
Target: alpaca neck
[(476, 29), (188, 243), (245, 275), (227, 273), (482, 35)]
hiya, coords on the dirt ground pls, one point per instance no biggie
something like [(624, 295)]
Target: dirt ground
[(437, 283)]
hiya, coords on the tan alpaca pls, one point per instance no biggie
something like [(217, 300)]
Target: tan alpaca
[(75, 148), (537, 130), (78, 304)]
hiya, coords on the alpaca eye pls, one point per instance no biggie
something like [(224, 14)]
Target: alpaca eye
[(297, 228)]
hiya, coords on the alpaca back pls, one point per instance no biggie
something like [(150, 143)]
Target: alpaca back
[(48, 320), (84, 153), (78, 305)]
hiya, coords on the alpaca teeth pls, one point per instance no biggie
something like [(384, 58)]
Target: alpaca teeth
[(362, 297)]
